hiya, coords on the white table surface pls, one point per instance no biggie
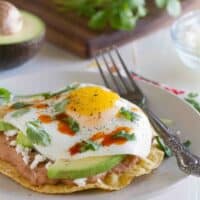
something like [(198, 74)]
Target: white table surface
[(164, 67)]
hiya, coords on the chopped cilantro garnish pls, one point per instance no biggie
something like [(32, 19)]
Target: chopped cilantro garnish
[(187, 143), (125, 135), (60, 107), (74, 126), (20, 112), (45, 95), (5, 95), (5, 126), (191, 99), (129, 115), (67, 89), (89, 146), (193, 95), (19, 105), (36, 134), (162, 146)]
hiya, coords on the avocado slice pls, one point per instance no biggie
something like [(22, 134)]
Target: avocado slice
[(23, 141), (16, 49), (82, 168)]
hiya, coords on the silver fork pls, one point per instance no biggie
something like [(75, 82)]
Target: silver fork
[(128, 89)]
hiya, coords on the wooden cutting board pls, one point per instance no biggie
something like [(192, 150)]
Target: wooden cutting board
[(69, 31)]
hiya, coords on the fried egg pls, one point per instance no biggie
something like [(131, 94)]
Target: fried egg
[(87, 121)]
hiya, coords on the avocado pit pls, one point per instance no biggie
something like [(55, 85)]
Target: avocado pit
[(11, 20)]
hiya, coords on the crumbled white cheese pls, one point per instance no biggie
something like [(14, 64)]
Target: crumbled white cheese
[(13, 143), (99, 181), (178, 132), (81, 182), (38, 159), (24, 152), (48, 164), (10, 133)]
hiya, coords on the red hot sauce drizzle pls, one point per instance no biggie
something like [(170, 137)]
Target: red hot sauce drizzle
[(46, 119), (62, 126), (106, 140), (41, 106)]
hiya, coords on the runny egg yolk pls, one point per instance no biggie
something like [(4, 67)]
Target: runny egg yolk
[(89, 101)]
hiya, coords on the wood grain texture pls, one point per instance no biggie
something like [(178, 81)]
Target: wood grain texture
[(69, 31)]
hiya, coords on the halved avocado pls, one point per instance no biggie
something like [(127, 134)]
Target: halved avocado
[(82, 168), (16, 49)]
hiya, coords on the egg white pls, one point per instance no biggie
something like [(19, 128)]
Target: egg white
[(60, 143)]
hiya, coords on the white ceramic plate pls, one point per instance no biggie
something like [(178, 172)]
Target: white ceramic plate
[(163, 103)]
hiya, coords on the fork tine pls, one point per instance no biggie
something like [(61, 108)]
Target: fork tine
[(111, 74), (102, 73), (127, 71), (118, 71)]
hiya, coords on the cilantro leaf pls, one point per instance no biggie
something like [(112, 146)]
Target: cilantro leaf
[(20, 112), (74, 126), (36, 134), (187, 143), (125, 135), (162, 146), (118, 14), (129, 115), (5, 95), (5, 126), (193, 95), (191, 99), (67, 89), (89, 146), (60, 107), (45, 95), (19, 105), (98, 20)]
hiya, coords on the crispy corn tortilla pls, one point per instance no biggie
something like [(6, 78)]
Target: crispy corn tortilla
[(110, 182)]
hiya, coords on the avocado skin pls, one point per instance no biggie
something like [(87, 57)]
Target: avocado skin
[(13, 55), (82, 168)]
